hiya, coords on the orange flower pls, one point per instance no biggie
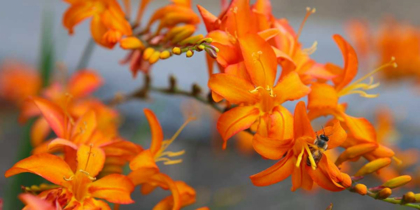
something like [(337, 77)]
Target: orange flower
[(81, 186), (72, 135), (298, 159), (12, 77), (258, 97), (145, 172), (108, 24)]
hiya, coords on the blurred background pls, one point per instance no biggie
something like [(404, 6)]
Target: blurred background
[(220, 177)]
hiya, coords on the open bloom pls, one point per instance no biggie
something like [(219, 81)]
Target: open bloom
[(80, 186), (298, 159), (108, 23), (257, 94), (146, 173)]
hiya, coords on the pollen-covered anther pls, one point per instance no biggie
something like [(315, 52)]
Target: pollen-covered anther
[(310, 157), (312, 49), (69, 179), (235, 10), (256, 89)]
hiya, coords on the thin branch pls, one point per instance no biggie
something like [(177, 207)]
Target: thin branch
[(87, 53)]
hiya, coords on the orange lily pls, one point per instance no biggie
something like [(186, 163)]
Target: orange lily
[(257, 97), (81, 186), (145, 172), (108, 23), (296, 154)]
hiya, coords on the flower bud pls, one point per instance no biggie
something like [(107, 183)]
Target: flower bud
[(191, 40), (165, 54), (147, 53), (384, 193), (408, 198), (176, 51), (373, 166), (397, 181), (189, 53), (360, 188), (130, 43), (154, 57)]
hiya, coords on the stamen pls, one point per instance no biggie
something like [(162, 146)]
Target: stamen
[(299, 160), (69, 179), (351, 89), (172, 154), (399, 162), (88, 175), (256, 89), (89, 153), (309, 12), (311, 159), (173, 162), (312, 49)]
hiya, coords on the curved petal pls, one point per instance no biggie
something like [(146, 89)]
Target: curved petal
[(76, 14), (290, 88), (157, 133), (300, 178), (50, 167), (187, 195), (98, 30), (121, 148), (144, 160), (138, 177), (83, 83), (84, 127), (91, 203), (59, 143), (271, 148), (114, 188), (322, 96), (276, 173), (301, 123), (35, 203), (236, 120), (360, 128), (322, 176), (90, 159), (260, 60), (165, 180), (39, 131), (232, 88), (210, 21), (53, 114), (336, 134), (350, 63)]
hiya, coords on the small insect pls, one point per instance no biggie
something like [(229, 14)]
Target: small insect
[(319, 147)]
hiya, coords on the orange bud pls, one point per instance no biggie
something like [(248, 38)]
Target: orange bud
[(397, 181), (165, 54), (360, 188), (408, 198), (147, 53), (373, 166), (154, 57), (130, 43), (384, 193)]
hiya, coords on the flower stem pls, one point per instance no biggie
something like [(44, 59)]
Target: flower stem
[(87, 53)]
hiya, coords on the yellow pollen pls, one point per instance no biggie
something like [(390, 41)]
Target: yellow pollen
[(311, 159), (299, 160), (268, 88), (88, 175), (235, 10), (312, 49), (68, 179), (357, 87)]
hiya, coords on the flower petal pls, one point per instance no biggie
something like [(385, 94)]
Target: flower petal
[(276, 173), (157, 133), (301, 124), (115, 188), (35, 203), (90, 159), (53, 114), (260, 60), (322, 96), (84, 127), (360, 128), (141, 176), (39, 131), (50, 167), (83, 83), (59, 143), (322, 175), (350, 63), (335, 133), (76, 14), (232, 88), (121, 148), (144, 160), (210, 21), (98, 30), (187, 195), (236, 120), (271, 148), (290, 88)]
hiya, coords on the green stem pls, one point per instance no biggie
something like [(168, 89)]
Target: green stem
[(394, 201), (87, 53)]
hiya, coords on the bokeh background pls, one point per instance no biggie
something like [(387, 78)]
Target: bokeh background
[(220, 177)]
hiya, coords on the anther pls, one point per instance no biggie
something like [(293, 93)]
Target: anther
[(88, 175), (68, 179)]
